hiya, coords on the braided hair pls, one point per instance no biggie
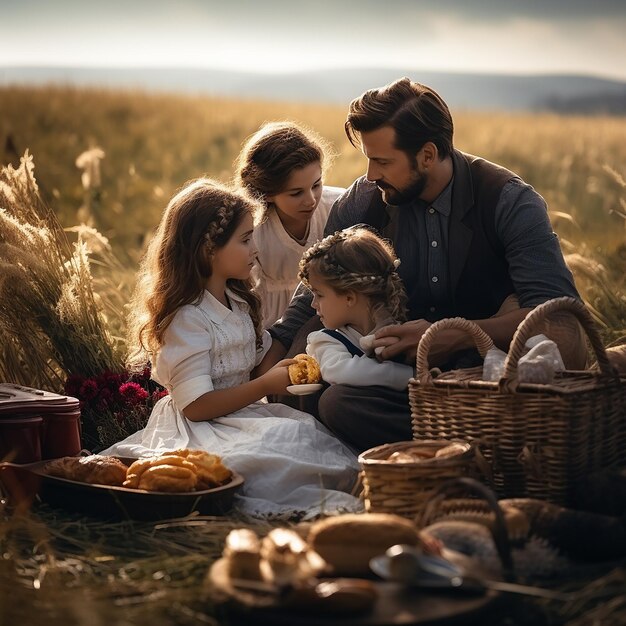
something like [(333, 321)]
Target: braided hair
[(199, 219), (357, 259)]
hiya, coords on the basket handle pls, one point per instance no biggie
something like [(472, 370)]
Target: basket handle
[(499, 531), (529, 325), (481, 339)]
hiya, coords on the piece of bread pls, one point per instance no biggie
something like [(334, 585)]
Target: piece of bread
[(209, 468), (93, 469), (348, 542), (306, 370), (169, 472), (242, 553)]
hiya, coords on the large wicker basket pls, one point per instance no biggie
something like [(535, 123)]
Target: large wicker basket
[(405, 488), (539, 439)]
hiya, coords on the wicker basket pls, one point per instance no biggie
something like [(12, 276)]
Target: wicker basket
[(404, 488), (539, 439)]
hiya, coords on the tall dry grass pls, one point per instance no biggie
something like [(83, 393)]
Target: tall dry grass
[(51, 318)]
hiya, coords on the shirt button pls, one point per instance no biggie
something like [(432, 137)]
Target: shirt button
[(434, 244), (434, 279), (431, 210), (432, 309)]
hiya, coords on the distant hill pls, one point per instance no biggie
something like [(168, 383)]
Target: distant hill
[(561, 93)]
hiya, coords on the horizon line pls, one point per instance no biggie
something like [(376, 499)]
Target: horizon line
[(377, 68)]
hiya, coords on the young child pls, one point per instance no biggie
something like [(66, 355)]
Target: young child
[(282, 165), (356, 290), (195, 317)]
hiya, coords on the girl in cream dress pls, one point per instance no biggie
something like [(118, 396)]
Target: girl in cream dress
[(202, 327), (282, 165)]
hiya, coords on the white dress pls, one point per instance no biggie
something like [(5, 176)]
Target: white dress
[(340, 367), (289, 461), (275, 274)]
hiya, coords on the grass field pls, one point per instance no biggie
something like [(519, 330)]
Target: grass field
[(154, 143)]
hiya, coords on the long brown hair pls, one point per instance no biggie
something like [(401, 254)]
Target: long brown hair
[(270, 155), (358, 259), (200, 218)]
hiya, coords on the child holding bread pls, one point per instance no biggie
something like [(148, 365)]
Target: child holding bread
[(356, 290), (196, 318)]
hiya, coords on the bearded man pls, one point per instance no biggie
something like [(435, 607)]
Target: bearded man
[(474, 241)]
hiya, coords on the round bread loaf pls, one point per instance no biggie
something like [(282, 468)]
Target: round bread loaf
[(348, 542), (306, 370)]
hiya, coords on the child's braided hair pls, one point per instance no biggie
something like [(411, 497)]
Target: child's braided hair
[(356, 258)]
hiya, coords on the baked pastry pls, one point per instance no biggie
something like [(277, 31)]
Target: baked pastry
[(167, 472), (348, 542), (93, 469), (453, 449), (242, 553), (209, 468), (306, 370), (286, 558)]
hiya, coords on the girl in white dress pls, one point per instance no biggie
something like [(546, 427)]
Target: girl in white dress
[(356, 290), (194, 314), (282, 165)]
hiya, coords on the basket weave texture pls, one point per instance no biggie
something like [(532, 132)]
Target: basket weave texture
[(540, 439), (405, 488)]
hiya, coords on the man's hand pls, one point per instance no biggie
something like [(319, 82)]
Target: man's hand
[(399, 342)]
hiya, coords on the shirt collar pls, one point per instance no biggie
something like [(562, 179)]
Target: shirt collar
[(443, 202), (215, 309)]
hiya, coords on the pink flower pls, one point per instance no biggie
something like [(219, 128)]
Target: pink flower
[(157, 395), (89, 389), (133, 393)]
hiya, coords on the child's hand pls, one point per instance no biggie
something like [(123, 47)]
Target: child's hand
[(276, 380)]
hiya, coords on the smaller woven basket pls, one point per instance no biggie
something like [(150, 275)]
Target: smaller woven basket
[(404, 488)]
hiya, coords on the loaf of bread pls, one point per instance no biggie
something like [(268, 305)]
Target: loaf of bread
[(93, 469), (348, 542), (306, 370)]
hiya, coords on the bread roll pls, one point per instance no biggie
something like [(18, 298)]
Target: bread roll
[(92, 469), (348, 542), (242, 552), (306, 370)]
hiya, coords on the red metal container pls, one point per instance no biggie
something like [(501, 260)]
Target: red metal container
[(60, 434), (20, 439), (58, 429)]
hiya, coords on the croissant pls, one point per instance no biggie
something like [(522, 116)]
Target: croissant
[(168, 472), (209, 467)]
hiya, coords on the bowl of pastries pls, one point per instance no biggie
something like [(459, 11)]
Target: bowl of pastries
[(168, 485)]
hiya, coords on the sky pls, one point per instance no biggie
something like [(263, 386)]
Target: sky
[(493, 36)]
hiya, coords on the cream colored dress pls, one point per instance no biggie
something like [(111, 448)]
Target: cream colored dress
[(275, 275), (290, 462)]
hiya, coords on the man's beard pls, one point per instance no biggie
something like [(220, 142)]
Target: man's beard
[(396, 197)]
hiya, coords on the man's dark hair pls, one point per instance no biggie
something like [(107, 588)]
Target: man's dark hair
[(417, 114)]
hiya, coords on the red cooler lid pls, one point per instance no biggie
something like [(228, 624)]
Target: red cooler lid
[(18, 399)]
